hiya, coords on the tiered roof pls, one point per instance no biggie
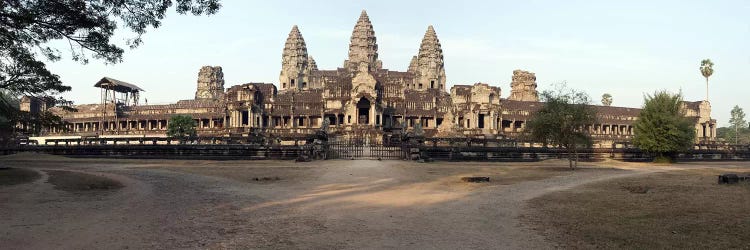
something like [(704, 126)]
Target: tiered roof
[(294, 56), (363, 46)]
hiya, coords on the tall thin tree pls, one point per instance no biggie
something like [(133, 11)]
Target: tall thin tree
[(707, 69), (737, 121)]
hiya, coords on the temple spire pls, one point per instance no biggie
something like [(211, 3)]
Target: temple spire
[(429, 68), (311, 63), (430, 47), (363, 47), (294, 61)]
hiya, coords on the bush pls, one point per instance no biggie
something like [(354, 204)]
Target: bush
[(181, 127)]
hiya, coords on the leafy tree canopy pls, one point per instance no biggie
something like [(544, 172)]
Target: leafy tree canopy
[(8, 111), (707, 68), (606, 99), (729, 134), (181, 127), (562, 120), (662, 127), (27, 27)]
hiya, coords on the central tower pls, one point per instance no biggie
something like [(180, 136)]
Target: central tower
[(363, 47)]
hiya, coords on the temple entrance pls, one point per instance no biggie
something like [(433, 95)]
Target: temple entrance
[(363, 111)]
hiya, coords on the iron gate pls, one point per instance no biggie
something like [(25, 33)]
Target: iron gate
[(362, 151)]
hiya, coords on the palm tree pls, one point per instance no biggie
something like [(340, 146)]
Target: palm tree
[(707, 69)]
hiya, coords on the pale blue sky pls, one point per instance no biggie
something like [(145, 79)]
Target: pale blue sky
[(626, 48)]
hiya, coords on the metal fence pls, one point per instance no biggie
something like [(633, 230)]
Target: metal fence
[(362, 151)]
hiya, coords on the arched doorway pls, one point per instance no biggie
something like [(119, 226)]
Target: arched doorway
[(363, 111)]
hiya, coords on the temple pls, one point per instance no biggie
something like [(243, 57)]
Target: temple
[(359, 99)]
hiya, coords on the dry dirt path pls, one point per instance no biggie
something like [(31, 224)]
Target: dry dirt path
[(320, 205)]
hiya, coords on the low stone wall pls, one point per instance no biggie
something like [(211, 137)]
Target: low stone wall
[(530, 154), (290, 152), (175, 151)]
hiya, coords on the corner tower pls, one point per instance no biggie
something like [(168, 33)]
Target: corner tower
[(363, 47), (428, 69), (523, 87), (294, 62), (210, 83)]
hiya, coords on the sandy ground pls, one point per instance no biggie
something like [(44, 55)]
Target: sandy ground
[(167, 204)]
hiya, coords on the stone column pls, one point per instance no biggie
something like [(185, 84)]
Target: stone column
[(371, 120), (713, 131), (251, 118)]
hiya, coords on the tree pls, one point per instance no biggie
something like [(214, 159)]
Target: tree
[(606, 99), (737, 121), (9, 106), (181, 127), (728, 134), (562, 121), (28, 26), (662, 127), (707, 69)]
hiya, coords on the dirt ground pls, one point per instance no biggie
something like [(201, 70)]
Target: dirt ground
[(681, 209), (341, 204)]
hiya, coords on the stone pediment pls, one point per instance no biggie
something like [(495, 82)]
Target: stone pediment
[(363, 84)]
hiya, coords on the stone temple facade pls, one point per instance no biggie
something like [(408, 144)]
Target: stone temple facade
[(358, 99)]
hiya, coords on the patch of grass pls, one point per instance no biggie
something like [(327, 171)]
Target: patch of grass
[(77, 182), (663, 159), (15, 176), (680, 209)]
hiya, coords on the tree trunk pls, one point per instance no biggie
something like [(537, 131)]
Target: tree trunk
[(570, 162), (572, 157), (706, 88)]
